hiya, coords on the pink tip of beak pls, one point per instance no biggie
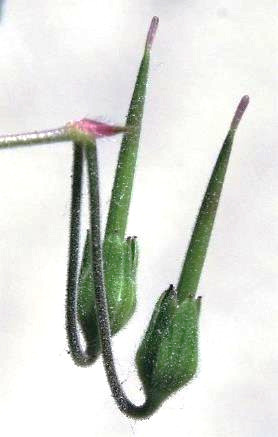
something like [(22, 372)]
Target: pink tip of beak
[(152, 32), (240, 111)]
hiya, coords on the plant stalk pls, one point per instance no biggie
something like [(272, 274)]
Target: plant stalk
[(80, 357), (124, 404)]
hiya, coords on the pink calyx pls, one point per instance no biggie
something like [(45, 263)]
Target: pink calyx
[(96, 129)]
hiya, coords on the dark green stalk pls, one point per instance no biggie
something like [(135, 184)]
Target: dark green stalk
[(79, 356), (121, 193), (196, 253), (119, 395)]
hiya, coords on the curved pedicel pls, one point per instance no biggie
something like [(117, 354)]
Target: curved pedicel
[(167, 358)]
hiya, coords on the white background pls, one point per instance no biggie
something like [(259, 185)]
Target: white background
[(63, 60)]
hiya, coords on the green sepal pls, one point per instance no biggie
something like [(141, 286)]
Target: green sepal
[(167, 358), (120, 267), (157, 330), (125, 302), (177, 359)]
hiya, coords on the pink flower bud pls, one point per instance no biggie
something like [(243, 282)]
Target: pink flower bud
[(96, 129)]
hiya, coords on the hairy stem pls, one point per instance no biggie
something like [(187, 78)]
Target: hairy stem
[(36, 137), (80, 357), (124, 404)]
